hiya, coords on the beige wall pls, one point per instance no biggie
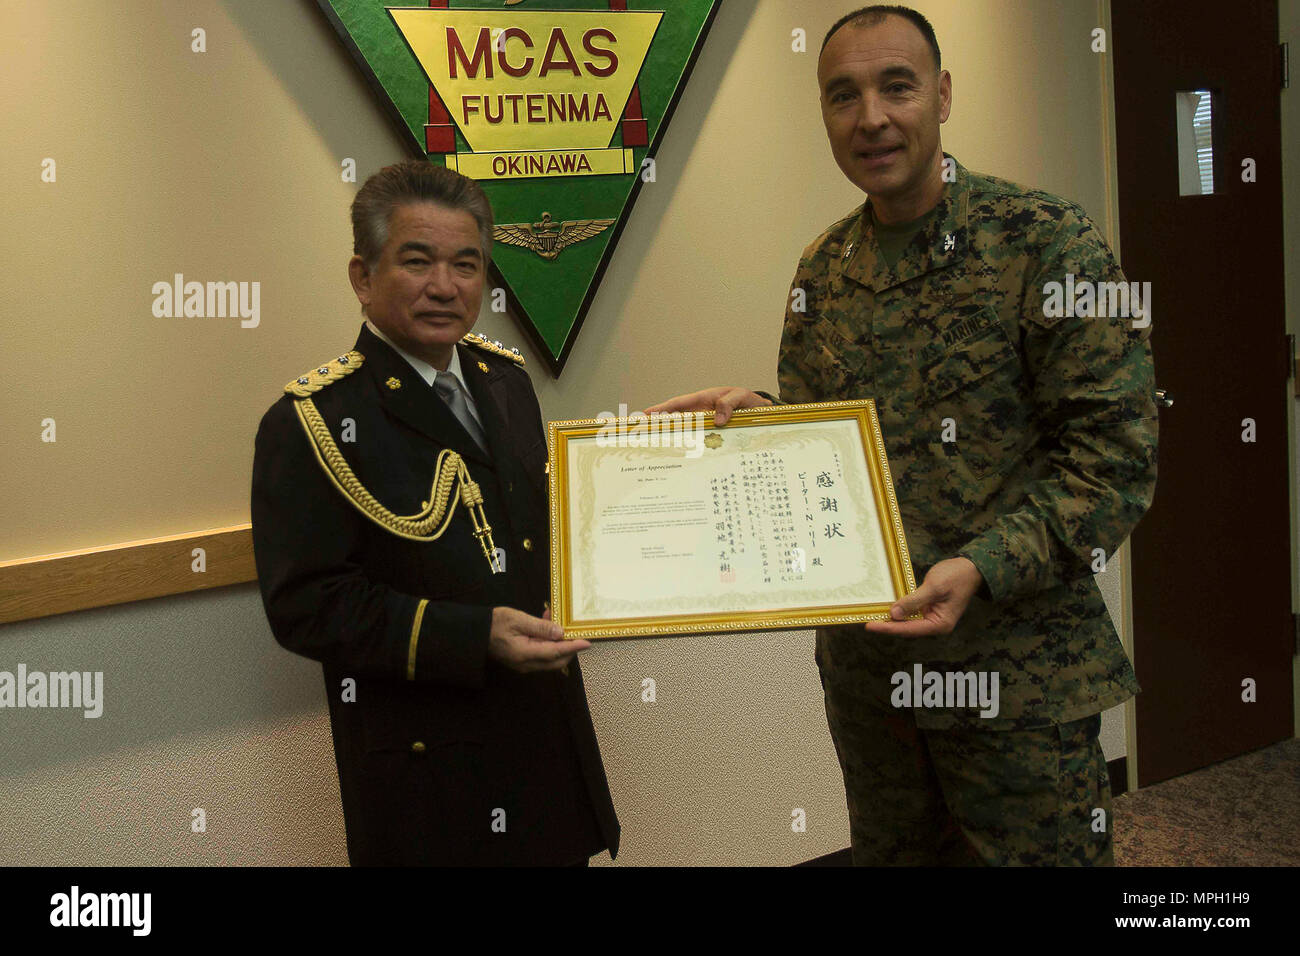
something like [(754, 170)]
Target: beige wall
[(225, 166)]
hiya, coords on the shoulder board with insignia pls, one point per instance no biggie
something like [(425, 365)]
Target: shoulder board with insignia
[(496, 348), (311, 382)]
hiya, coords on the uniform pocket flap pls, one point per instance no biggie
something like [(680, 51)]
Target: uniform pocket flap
[(417, 717), (835, 355), (971, 359)]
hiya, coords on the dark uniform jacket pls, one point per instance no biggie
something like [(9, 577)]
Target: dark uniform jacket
[(444, 756)]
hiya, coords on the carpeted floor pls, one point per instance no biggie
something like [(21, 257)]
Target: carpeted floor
[(1242, 812)]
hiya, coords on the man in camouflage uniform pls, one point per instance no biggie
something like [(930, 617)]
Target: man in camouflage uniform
[(1022, 441)]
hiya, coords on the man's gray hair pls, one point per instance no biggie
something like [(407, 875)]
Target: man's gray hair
[(413, 181)]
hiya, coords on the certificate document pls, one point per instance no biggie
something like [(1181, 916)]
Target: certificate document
[(784, 518)]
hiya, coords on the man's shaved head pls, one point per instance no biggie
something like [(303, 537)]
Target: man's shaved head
[(870, 16)]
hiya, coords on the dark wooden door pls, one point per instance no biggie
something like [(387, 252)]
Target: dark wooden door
[(1211, 561)]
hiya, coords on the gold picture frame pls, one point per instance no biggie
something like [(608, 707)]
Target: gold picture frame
[(828, 429)]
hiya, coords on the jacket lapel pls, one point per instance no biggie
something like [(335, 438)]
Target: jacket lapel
[(489, 391), (406, 396)]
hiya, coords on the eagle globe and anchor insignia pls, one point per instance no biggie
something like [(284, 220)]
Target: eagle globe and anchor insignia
[(556, 108)]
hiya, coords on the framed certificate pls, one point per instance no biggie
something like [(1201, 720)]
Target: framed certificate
[(785, 518)]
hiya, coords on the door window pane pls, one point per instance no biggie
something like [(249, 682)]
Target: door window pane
[(1192, 108)]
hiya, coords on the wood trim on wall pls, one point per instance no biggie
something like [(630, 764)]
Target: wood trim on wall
[(133, 571)]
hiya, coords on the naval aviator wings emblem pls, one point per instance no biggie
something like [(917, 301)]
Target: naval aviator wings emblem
[(548, 238)]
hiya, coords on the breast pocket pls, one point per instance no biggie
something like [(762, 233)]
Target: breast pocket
[(835, 366), (972, 394)]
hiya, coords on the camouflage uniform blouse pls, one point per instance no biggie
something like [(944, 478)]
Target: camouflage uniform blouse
[(1055, 433)]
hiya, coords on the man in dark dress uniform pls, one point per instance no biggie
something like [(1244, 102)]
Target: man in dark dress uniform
[(400, 525)]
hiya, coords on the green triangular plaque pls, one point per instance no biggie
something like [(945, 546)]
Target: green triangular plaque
[(553, 107)]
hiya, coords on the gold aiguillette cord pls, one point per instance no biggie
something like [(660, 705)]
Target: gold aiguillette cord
[(451, 481)]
